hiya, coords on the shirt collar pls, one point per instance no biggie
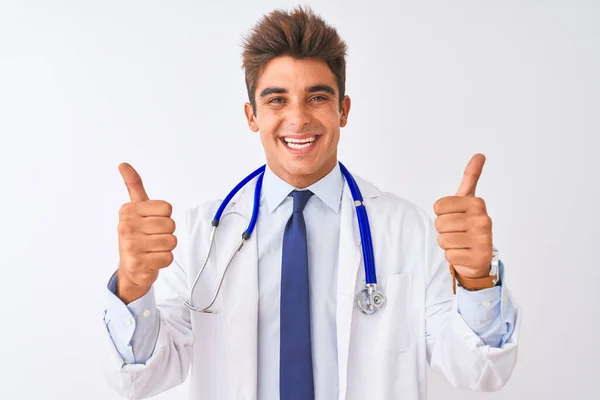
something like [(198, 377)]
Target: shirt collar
[(328, 189)]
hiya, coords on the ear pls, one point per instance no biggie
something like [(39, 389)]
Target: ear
[(250, 117), (344, 111)]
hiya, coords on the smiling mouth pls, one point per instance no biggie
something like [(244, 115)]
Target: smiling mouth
[(299, 144)]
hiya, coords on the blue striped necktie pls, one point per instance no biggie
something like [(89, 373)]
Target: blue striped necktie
[(295, 362)]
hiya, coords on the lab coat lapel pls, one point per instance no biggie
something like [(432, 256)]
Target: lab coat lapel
[(350, 266), (350, 258), (240, 300)]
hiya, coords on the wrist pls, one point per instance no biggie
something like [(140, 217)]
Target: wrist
[(478, 280), (479, 273), (129, 291), (478, 283)]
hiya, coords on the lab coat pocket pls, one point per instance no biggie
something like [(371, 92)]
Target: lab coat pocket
[(388, 331)]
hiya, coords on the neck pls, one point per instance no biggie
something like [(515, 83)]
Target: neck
[(304, 180)]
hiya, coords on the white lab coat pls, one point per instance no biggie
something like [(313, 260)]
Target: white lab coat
[(381, 356)]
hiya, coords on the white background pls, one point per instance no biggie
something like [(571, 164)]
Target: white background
[(85, 85)]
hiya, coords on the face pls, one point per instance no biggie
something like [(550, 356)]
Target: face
[(299, 118)]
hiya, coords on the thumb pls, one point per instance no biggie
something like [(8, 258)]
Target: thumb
[(133, 182), (471, 176)]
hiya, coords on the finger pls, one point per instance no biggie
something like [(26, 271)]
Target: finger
[(157, 243), (471, 176), (454, 204), (454, 240), (153, 208), (142, 244), (448, 223), (157, 225), (133, 182), (451, 205), (157, 260), (459, 257)]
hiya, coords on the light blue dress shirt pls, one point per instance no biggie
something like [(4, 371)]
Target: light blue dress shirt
[(134, 327)]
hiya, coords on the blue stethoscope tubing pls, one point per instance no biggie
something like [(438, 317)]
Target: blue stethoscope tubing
[(368, 300)]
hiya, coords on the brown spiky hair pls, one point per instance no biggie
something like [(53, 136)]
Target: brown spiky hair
[(298, 34)]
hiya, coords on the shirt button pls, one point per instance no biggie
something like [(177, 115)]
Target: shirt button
[(146, 313), (486, 303), (128, 321)]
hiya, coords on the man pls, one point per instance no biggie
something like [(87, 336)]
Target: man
[(287, 325)]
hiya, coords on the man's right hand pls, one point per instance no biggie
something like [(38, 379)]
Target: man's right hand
[(146, 238)]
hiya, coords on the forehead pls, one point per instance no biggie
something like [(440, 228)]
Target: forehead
[(291, 73)]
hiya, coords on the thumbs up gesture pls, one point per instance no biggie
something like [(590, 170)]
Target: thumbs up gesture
[(145, 238), (465, 229)]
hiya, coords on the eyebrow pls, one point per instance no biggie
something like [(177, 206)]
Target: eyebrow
[(310, 89)]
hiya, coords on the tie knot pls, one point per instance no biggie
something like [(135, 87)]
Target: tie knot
[(300, 199)]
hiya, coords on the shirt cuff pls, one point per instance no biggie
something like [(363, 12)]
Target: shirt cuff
[(488, 312), (479, 305), (133, 327)]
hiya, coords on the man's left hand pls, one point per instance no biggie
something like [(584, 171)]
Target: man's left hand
[(465, 229)]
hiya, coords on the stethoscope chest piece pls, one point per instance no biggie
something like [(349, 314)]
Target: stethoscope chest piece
[(370, 300)]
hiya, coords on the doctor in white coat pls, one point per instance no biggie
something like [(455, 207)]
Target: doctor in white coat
[(461, 320)]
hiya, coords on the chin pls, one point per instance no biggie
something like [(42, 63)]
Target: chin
[(300, 168)]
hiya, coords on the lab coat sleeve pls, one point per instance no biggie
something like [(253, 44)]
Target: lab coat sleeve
[(453, 347), (171, 336)]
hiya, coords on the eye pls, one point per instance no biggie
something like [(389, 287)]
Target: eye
[(276, 100), (318, 98)]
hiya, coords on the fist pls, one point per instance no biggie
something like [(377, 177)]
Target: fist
[(146, 239), (464, 227)]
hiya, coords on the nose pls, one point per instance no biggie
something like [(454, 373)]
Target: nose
[(299, 115)]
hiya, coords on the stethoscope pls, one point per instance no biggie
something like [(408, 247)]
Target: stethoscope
[(368, 300)]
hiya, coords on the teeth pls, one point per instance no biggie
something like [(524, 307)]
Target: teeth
[(299, 141), (298, 146)]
